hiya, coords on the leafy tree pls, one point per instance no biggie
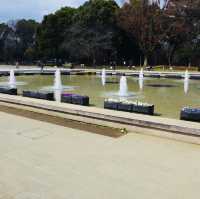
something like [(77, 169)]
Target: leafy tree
[(8, 43), (98, 12), (93, 45), (179, 25), (142, 20), (100, 32), (50, 34), (25, 31), (93, 34)]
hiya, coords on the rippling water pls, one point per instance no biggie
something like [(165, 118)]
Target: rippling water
[(167, 94)]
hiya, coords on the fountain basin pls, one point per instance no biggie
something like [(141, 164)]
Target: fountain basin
[(9, 91), (39, 95)]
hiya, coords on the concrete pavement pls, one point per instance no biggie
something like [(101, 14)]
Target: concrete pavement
[(39, 160)]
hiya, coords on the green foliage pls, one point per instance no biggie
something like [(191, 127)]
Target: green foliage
[(99, 12), (25, 33), (50, 33), (100, 32), (87, 34)]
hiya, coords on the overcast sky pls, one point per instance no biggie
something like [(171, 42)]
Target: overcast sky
[(34, 9)]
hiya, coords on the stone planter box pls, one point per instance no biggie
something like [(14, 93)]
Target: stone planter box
[(190, 114), (65, 73), (29, 74), (9, 91), (125, 107), (194, 77), (128, 107), (154, 76), (46, 73), (149, 110), (75, 99), (39, 95), (111, 105), (173, 76), (80, 100), (66, 98)]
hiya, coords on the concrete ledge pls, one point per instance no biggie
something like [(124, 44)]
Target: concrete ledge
[(102, 115)]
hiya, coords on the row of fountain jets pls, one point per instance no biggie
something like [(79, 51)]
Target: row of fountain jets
[(58, 87), (57, 82), (123, 90)]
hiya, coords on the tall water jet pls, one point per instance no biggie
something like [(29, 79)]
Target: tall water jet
[(141, 79), (186, 82), (103, 77), (57, 80), (123, 91), (57, 86), (12, 79), (57, 95)]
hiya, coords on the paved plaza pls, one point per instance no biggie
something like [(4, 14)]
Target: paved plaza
[(39, 160)]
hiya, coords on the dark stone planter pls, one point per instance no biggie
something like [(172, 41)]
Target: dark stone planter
[(46, 73), (39, 95), (125, 107), (9, 91), (109, 74), (190, 114), (194, 77), (134, 75), (75, 99), (65, 73), (149, 110), (66, 98), (80, 100), (111, 105), (154, 76), (173, 76), (29, 74)]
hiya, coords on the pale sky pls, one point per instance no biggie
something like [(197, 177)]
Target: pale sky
[(33, 9)]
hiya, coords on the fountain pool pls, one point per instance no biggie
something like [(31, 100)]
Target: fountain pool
[(168, 98)]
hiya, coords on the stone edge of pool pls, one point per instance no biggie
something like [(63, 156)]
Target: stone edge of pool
[(151, 125)]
